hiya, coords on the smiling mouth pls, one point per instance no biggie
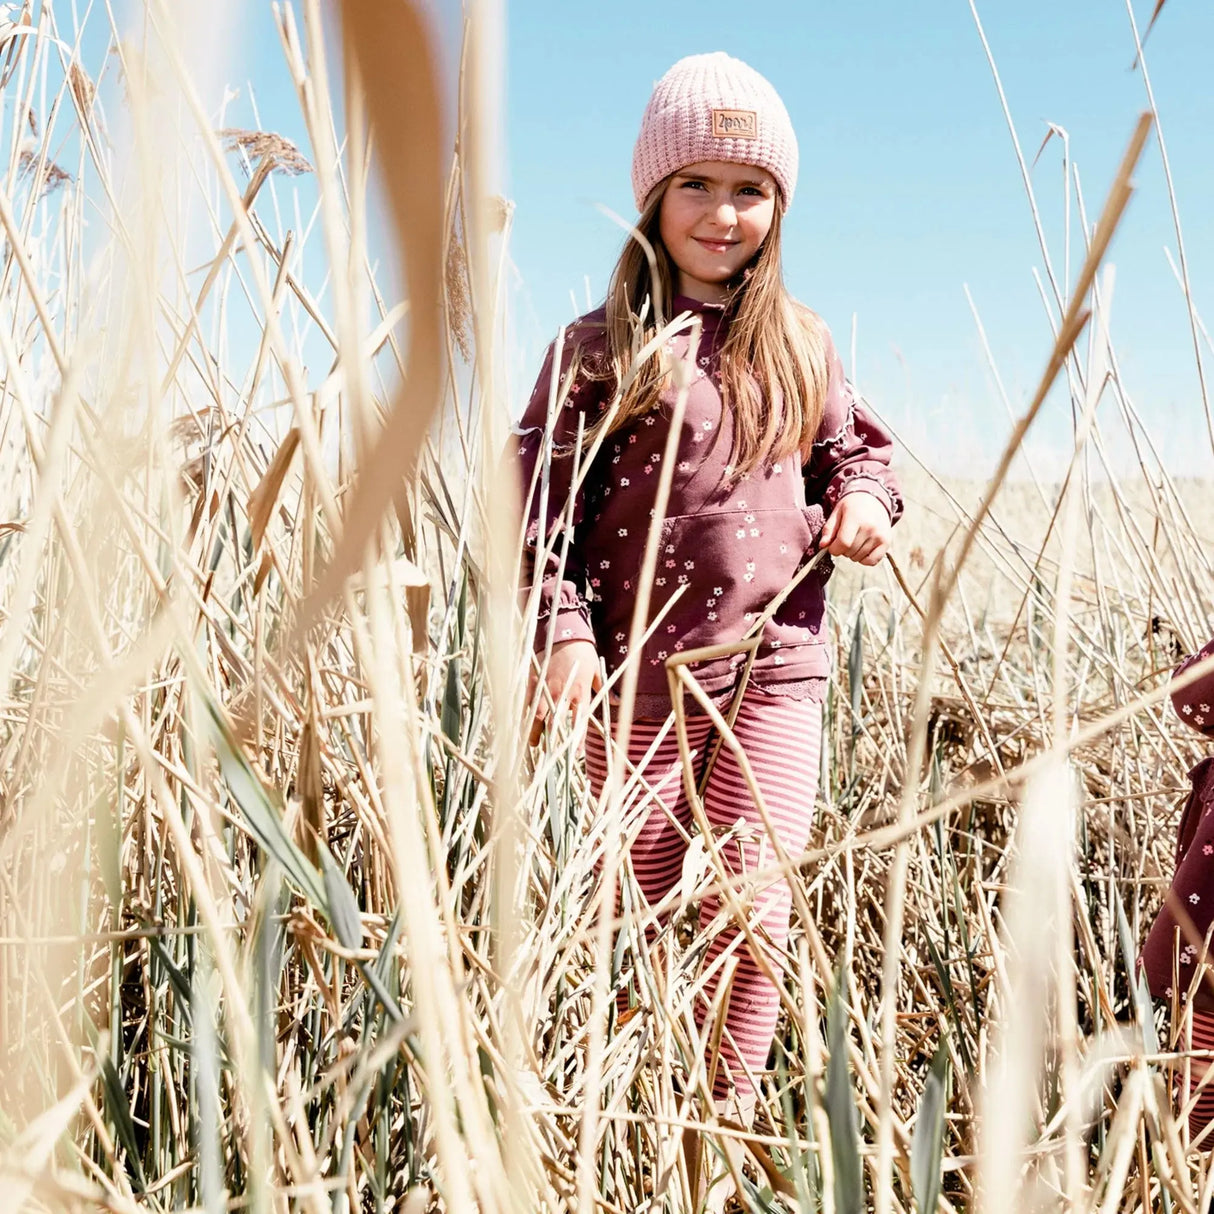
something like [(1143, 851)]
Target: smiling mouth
[(716, 246)]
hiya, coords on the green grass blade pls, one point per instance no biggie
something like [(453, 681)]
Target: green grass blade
[(927, 1143)]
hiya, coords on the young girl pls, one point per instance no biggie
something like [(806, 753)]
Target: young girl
[(1173, 954), (777, 459)]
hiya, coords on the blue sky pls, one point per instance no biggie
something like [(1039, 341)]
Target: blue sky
[(909, 189)]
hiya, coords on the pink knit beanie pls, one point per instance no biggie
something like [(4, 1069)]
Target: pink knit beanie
[(713, 107)]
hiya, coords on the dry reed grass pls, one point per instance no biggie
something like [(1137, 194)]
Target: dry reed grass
[(290, 918)]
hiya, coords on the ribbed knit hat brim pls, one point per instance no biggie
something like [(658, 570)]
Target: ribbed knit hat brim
[(713, 107)]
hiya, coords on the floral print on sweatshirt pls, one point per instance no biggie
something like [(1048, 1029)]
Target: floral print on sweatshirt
[(728, 545), (1184, 920)]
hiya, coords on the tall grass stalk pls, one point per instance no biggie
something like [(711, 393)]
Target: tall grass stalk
[(291, 915)]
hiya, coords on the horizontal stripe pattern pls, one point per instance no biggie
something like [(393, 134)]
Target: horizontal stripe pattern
[(1202, 1113), (781, 739)]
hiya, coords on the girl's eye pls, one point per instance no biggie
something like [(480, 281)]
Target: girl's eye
[(693, 185)]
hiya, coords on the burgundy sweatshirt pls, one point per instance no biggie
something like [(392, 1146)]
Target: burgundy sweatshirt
[(732, 544), (1190, 900)]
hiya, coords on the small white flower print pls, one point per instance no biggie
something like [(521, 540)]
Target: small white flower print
[(594, 582), (623, 648), (1194, 898), (628, 585), (689, 564), (1204, 707), (624, 482), (661, 581), (616, 460), (783, 548), (750, 615), (712, 602), (566, 632), (655, 458), (669, 627), (750, 566), (708, 425), (729, 469), (754, 531), (718, 591), (775, 644), (648, 469), (632, 438), (1187, 710), (678, 644), (696, 437), (661, 654), (750, 518), (649, 420), (777, 660), (619, 636), (669, 547), (740, 533), (748, 577), (1207, 849), (670, 564), (623, 532), (682, 579), (741, 505), (1199, 719), (684, 466), (777, 468), (712, 615)]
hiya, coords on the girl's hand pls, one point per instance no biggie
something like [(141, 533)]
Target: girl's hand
[(858, 528), (573, 671)]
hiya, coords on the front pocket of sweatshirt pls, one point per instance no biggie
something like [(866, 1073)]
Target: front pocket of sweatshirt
[(732, 564)]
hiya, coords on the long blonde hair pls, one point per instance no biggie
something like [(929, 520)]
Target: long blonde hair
[(773, 365)]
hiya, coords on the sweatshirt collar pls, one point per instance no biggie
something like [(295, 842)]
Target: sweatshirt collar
[(711, 314)]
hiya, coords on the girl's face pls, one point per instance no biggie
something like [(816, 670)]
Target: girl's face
[(714, 218)]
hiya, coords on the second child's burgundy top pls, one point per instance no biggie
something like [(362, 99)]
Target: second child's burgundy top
[(1185, 917), (731, 544)]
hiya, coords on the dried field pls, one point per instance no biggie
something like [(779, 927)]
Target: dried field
[(290, 917)]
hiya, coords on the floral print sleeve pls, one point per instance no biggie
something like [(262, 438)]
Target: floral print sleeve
[(1195, 703), (552, 525), (852, 451)]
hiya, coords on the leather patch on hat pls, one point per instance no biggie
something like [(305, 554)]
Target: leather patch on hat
[(735, 124)]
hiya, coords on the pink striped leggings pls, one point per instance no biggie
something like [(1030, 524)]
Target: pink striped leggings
[(782, 740), (1202, 1112)]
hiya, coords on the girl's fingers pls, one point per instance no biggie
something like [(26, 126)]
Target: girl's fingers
[(842, 543), (827, 535), (872, 551), (537, 721)]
